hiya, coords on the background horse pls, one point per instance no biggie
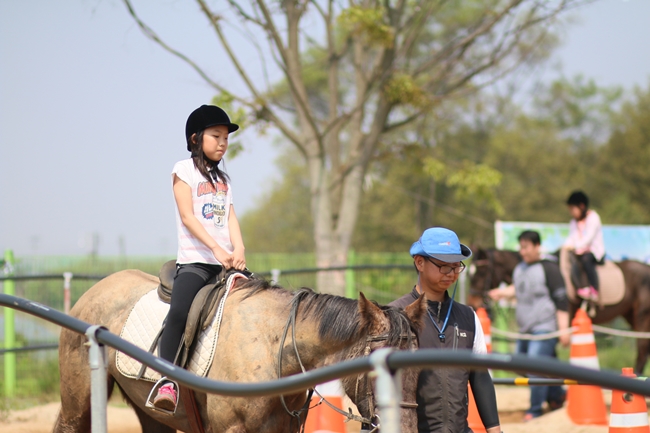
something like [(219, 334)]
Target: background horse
[(327, 328), (492, 267)]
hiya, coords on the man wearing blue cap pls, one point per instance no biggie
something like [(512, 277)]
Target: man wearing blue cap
[(442, 392)]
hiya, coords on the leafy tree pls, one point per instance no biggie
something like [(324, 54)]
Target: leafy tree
[(385, 65), (281, 223), (580, 109), (621, 175)]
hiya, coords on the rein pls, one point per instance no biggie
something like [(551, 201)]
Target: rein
[(291, 323)]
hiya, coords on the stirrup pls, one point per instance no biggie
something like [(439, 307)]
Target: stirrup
[(592, 309), (149, 402)]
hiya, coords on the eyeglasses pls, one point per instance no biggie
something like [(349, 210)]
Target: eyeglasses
[(446, 269)]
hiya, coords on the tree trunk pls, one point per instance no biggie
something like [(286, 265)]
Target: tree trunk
[(333, 226)]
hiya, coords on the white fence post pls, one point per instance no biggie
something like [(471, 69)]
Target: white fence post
[(98, 360), (388, 391), (67, 277), (275, 276)]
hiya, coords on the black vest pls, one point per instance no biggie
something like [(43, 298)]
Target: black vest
[(442, 392)]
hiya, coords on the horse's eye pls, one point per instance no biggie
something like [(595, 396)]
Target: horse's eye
[(472, 269)]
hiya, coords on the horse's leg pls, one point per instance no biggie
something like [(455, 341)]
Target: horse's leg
[(642, 324), (74, 415)]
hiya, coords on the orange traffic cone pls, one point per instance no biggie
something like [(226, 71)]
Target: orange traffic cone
[(585, 403), (322, 418), (629, 412), (486, 324), (473, 418)]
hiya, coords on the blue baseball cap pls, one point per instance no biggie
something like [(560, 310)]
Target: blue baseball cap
[(442, 244)]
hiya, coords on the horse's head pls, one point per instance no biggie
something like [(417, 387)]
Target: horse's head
[(489, 268), (387, 327), (482, 276)]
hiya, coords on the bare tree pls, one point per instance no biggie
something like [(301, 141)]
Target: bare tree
[(375, 67)]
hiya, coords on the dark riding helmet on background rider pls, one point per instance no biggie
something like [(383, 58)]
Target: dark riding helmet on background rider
[(577, 198), (204, 117), (578, 203)]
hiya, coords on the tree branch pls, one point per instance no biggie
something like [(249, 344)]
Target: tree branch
[(214, 21), (154, 37), (464, 43), (292, 70), (242, 13)]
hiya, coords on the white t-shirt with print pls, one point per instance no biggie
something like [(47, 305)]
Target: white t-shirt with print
[(211, 207)]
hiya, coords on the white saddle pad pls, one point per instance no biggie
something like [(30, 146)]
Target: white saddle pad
[(145, 321)]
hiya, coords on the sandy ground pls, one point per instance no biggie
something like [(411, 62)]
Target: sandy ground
[(512, 404)]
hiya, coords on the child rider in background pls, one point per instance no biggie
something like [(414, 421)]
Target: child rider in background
[(586, 239)]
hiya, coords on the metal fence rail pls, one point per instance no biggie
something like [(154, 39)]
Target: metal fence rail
[(384, 362), (29, 343)]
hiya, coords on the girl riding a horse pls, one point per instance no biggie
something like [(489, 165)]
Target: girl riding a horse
[(586, 239), (209, 237)]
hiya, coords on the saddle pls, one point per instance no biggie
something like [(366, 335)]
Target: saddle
[(610, 276), (203, 309)]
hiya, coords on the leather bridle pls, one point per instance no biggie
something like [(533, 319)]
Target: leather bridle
[(373, 420)]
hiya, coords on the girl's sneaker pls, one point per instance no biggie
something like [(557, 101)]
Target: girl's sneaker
[(166, 398), (588, 293)]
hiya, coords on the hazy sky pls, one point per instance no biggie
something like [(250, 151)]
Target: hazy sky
[(92, 115)]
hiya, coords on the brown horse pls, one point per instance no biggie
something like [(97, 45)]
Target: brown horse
[(328, 328), (491, 267)]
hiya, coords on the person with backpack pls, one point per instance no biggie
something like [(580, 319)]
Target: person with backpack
[(542, 308)]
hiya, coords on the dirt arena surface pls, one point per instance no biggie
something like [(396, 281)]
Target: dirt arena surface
[(512, 403)]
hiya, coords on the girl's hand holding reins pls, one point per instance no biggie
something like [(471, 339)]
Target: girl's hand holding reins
[(224, 258), (238, 259)]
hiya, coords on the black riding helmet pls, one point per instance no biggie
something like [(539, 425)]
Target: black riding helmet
[(577, 198), (204, 117)]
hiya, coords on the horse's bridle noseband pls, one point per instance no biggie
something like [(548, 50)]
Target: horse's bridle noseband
[(370, 396)]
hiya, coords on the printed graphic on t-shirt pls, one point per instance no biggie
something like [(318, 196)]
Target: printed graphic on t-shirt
[(205, 188), (207, 211), (219, 209)]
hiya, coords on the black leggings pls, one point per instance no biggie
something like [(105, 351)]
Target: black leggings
[(188, 281), (589, 262)]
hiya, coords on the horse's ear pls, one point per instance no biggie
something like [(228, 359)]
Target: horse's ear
[(416, 312), (369, 312)]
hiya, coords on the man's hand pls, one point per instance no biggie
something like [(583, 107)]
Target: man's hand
[(502, 293), (565, 340), (495, 294)]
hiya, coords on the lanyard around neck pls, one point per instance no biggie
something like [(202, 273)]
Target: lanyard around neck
[(441, 331)]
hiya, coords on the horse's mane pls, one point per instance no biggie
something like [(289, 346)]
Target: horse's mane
[(338, 317)]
